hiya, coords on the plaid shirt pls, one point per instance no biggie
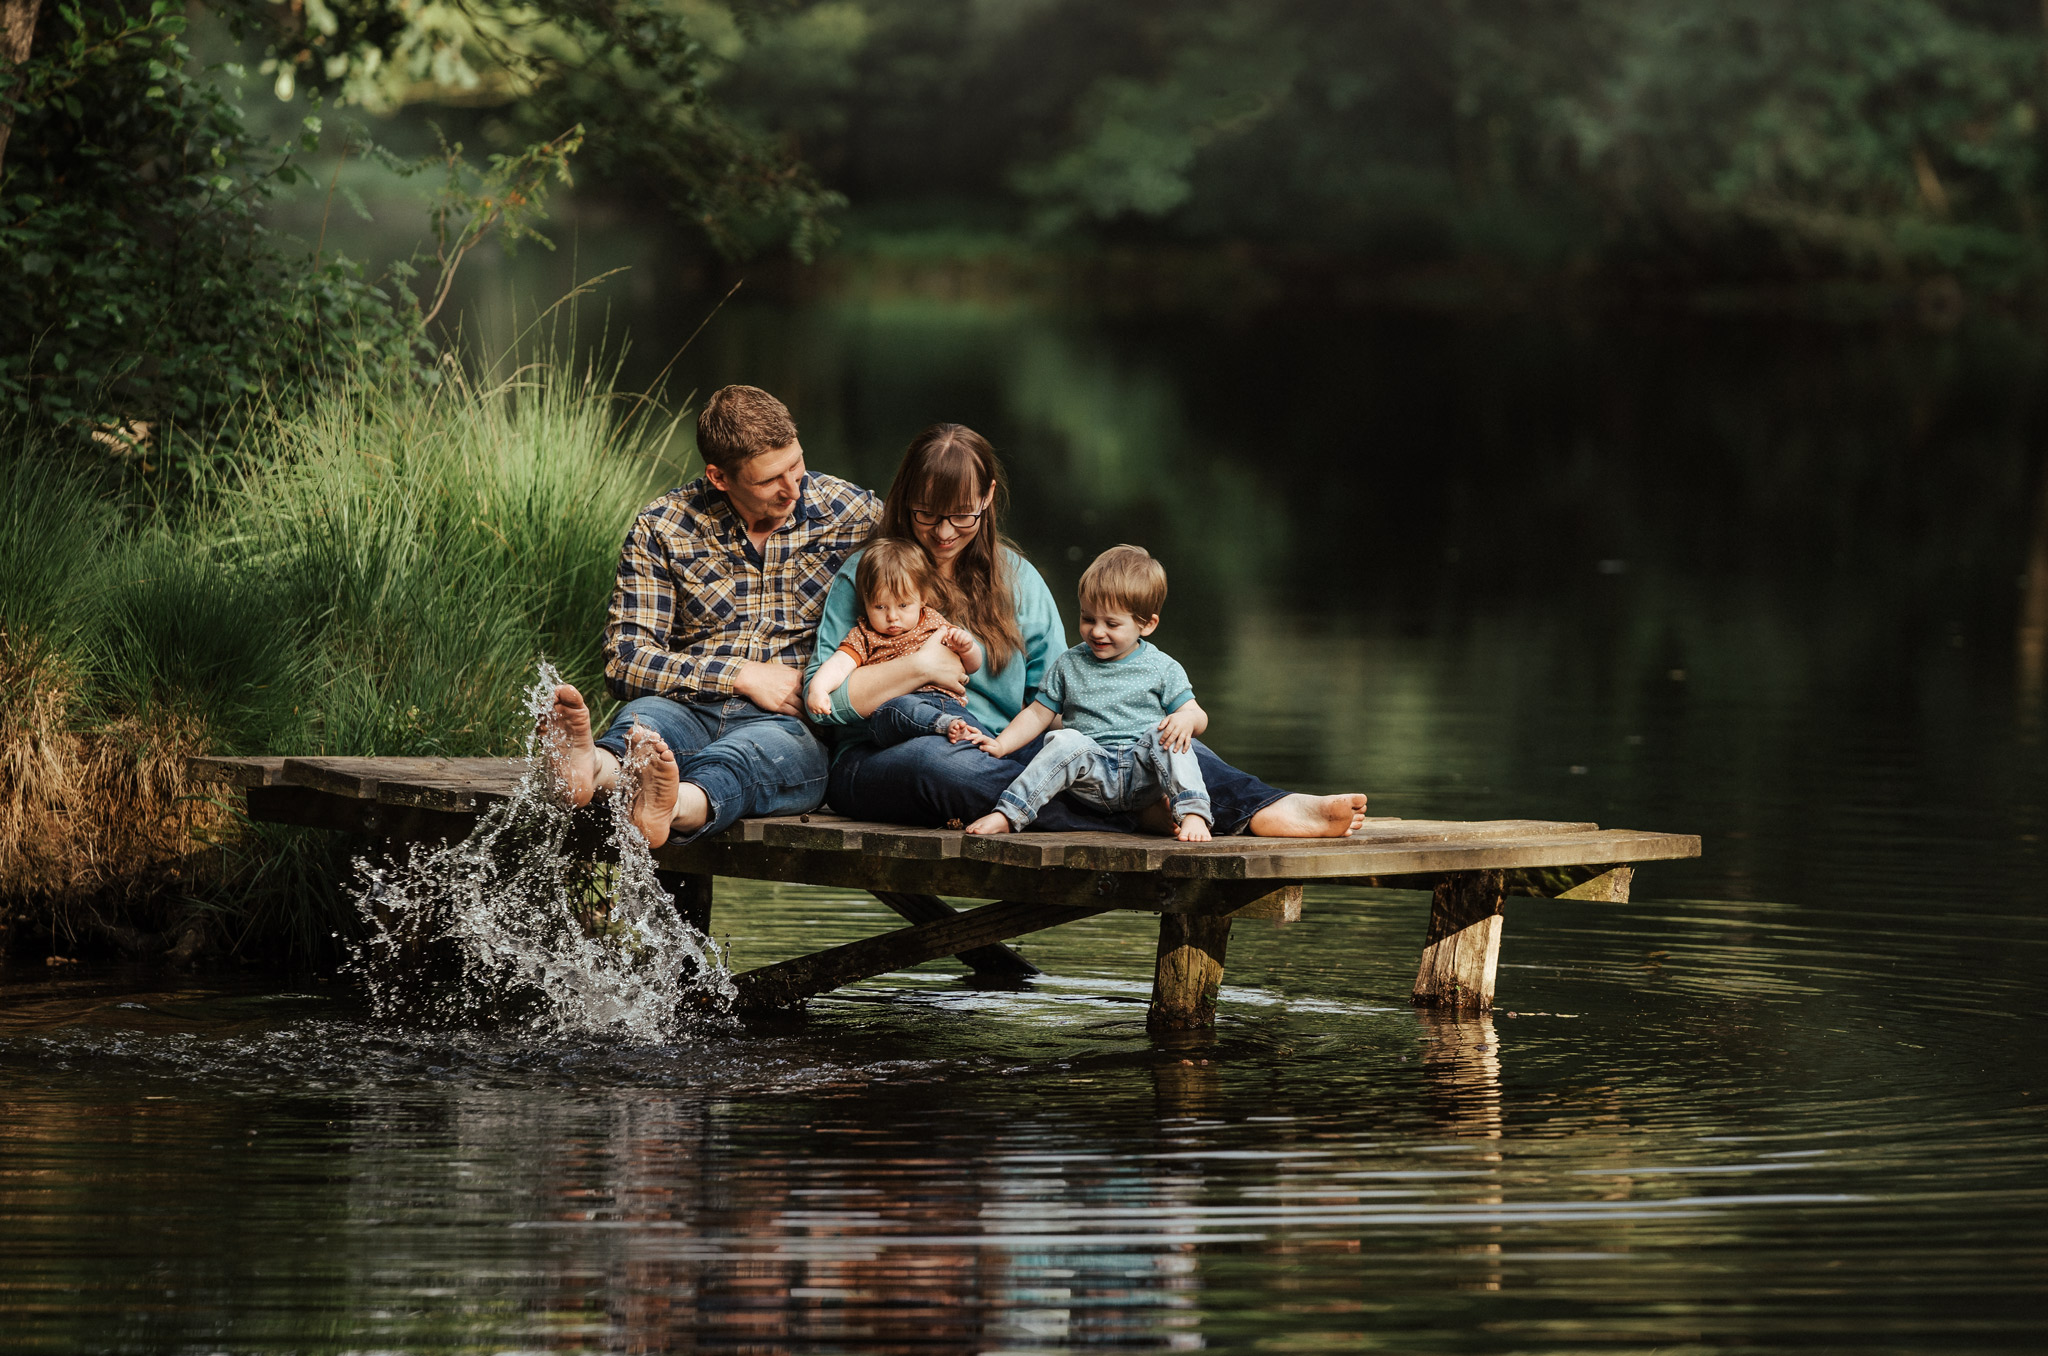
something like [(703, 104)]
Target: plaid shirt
[(693, 602)]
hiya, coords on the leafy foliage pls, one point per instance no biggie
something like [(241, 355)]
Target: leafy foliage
[(141, 295), (1703, 137), (636, 73)]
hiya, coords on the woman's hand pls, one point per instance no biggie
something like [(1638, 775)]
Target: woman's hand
[(940, 664)]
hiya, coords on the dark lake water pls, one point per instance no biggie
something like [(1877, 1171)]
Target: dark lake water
[(1783, 586)]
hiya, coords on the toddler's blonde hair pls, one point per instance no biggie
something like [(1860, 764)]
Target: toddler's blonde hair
[(1125, 579)]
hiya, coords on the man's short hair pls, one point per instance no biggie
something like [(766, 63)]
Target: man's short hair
[(1125, 579), (891, 567), (739, 422)]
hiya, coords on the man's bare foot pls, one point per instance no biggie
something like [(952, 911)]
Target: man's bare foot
[(1193, 829), (992, 822), (1300, 816), (654, 798), (570, 722)]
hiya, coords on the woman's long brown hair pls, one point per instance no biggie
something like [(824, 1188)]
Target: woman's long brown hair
[(948, 468)]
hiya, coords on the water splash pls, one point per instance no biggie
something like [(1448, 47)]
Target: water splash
[(512, 925)]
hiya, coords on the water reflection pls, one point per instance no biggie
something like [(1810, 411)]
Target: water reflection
[(1696, 578)]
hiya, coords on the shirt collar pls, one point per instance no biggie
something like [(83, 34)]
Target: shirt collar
[(711, 500)]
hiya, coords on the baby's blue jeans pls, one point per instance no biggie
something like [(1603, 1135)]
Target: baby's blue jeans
[(914, 714), (1127, 778)]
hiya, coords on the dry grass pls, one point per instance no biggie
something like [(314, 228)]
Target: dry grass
[(102, 831)]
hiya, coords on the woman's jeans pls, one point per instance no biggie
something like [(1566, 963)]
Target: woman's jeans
[(1128, 778), (930, 783), (747, 761), (917, 713)]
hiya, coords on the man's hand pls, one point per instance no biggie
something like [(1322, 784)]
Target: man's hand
[(939, 665), (772, 687), (1178, 730)]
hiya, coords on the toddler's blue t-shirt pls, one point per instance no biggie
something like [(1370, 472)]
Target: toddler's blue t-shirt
[(1114, 701)]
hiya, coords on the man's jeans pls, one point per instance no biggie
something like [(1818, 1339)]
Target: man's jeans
[(747, 761), (1127, 779), (918, 713), (930, 782)]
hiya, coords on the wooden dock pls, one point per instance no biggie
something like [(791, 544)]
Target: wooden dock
[(1036, 880)]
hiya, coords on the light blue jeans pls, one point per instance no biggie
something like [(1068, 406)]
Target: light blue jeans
[(749, 762), (1127, 779)]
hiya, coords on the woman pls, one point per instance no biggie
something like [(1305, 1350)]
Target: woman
[(948, 497)]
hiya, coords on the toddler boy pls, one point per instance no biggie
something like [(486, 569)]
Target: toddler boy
[(1130, 716)]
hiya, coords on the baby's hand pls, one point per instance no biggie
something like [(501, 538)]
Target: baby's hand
[(819, 702), (958, 641), (1177, 731)]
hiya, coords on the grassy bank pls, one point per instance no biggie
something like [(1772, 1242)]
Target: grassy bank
[(380, 578)]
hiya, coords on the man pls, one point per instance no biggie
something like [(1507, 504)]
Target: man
[(719, 590)]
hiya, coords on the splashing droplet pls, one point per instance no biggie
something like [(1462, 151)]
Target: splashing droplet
[(513, 925)]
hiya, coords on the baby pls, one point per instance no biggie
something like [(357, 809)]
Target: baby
[(1130, 716), (892, 580)]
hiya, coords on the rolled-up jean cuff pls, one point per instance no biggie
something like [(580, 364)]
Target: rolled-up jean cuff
[(1015, 810), (1193, 805), (726, 795)]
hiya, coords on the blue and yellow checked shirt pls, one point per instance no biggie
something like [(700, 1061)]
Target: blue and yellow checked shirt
[(693, 601)]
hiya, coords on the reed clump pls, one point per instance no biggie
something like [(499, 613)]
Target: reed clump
[(378, 577)]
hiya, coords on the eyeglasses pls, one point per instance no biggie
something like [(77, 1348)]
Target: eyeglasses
[(961, 521)]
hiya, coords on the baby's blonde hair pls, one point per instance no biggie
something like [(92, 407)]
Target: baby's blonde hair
[(1125, 579), (894, 568)]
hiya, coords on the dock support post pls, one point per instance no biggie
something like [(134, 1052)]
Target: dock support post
[(1190, 971), (692, 894), (1461, 951)]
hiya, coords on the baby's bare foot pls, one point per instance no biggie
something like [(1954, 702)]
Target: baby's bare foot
[(960, 731), (992, 822), (654, 798), (569, 721), (1301, 816), (1193, 829)]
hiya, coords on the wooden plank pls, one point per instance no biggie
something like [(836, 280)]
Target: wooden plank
[(928, 845), (994, 959), (1282, 906), (1335, 860), (837, 835), (310, 808), (452, 783), (265, 771), (355, 778), (790, 982), (961, 878), (1461, 950)]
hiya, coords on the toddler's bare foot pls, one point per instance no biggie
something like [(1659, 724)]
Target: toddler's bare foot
[(1300, 816), (959, 732), (654, 799), (569, 720), (1193, 829), (992, 822)]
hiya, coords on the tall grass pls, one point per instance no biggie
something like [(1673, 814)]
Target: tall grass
[(380, 581)]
